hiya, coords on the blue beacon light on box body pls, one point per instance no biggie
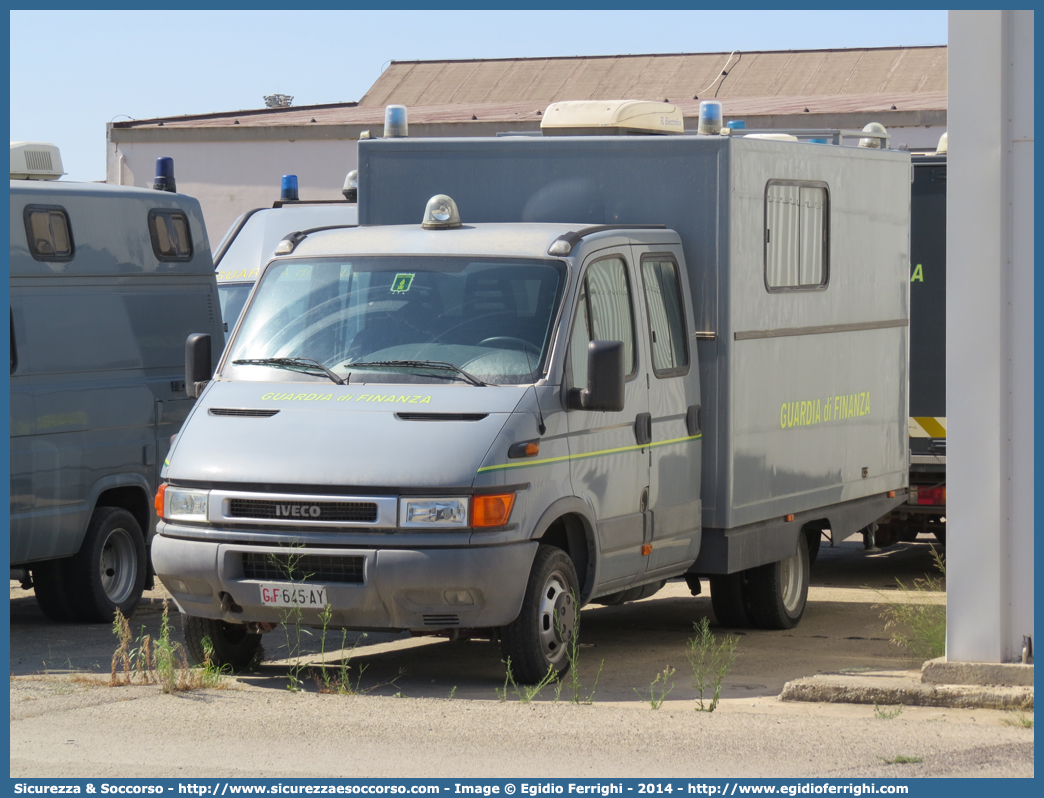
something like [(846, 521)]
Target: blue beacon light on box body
[(164, 175), (288, 189)]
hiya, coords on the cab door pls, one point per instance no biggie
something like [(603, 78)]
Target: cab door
[(609, 467), (674, 403)]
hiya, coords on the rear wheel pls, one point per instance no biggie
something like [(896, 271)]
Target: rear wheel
[(232, 644), (51, 585), (778, 591), (539, 638), (108, 572), (730, 601)]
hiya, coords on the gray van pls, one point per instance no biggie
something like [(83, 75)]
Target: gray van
[(250, 241), (593, 364), (106, 283)]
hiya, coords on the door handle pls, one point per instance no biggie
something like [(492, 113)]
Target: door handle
[(643, 428)]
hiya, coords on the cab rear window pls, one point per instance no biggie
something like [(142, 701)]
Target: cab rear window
[(47, 233), (171, 239)]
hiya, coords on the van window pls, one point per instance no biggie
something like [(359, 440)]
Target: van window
[(171, 239), (666, 321), (604, 314), (48, 233), (797, 237)]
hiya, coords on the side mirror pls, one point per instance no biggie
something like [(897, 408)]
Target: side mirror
[(605, 379), (197, 364)]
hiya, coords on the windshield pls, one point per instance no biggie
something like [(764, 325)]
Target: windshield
[(491, 318), (232, 297)]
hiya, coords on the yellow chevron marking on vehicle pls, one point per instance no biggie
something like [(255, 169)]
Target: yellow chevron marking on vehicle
[(583, 455), (166, 461), (928, 427)]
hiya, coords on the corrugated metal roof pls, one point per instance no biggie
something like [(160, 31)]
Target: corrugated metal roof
[(790, 73), (528, 110)]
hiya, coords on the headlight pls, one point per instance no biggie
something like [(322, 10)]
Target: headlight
[(433, 512), (185, 505)]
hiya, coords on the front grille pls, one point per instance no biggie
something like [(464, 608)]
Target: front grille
[(238, 412), (302, 568), (441, 620), (357, 512)]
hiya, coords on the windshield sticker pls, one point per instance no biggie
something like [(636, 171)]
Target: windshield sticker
[(401, 284), (409, 399)]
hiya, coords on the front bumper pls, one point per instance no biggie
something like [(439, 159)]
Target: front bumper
[(417, 588)]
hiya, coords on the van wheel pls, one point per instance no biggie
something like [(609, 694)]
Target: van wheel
[(729, 600), (815, 539), (778, 591), (51, 586), (232, 644), (539, 637), (108, 572)]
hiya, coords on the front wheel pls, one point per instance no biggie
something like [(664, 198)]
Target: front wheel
[(539, 638), (778, 591), (108, 572), (230, 643)]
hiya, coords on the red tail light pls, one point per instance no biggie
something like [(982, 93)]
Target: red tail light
[(932, 495)]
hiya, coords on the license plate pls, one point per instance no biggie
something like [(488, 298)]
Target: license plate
[(280, 594)]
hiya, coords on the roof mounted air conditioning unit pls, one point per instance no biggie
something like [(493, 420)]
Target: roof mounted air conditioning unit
[(35, 160), (611, 118)]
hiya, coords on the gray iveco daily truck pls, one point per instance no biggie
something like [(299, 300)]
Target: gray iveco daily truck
[(587, 365)]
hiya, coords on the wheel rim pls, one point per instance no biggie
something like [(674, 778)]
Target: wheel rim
[(118, 566), (791, 577), (557, 618)]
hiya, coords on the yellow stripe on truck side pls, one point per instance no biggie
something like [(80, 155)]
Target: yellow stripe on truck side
[(927, 427)]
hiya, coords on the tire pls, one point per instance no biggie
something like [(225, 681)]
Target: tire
[(232, 644), (730, 601), (108, 572), (51, 586), (538, 638), (778, 591), (815, 539)]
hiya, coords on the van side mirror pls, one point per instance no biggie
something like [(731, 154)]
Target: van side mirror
[(605, 379), (197, 364)]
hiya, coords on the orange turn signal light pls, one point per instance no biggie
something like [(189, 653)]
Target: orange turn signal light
[(493, 509), (158, 503), (646, 549), (789, 517), (891, 494)]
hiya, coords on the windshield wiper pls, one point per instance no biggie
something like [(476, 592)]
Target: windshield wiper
[(434, 365), (304, 364)]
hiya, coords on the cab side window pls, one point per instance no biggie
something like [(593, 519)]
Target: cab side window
[(670, 353), (171, 239), (603, 314), (47, 232)]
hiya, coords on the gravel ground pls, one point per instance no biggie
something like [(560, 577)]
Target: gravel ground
[(407, 724)]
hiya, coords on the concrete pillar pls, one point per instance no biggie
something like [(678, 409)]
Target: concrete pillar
[(989, 335)]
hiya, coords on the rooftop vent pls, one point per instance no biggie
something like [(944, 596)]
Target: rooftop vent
[(35, 160), (279, 100), (611, 118)]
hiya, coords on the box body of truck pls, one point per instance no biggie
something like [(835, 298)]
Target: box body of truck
[(803, 387), (106, 283), (925, 508)]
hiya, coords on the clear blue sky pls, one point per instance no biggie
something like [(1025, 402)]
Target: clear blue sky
[(74, 71)]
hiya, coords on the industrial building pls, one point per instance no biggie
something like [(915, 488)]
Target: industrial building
[(232, 161)]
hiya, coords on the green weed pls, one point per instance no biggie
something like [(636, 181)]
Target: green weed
[(1019, 719), (887, 714), (575, 684), (918, 620), (658, 688), (710, 661), (525, 692), (901, 760)]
